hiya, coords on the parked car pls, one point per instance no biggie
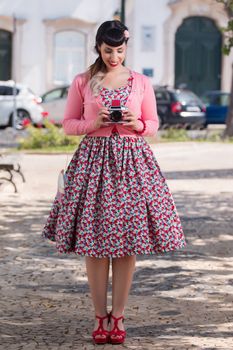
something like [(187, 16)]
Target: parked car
[(27, 105), (53, 102), (217, 103), (179, 107)]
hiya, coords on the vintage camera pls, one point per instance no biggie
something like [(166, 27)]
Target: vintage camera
[(115, 111)]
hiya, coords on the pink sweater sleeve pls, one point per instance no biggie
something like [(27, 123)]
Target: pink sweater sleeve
[(149, 110), (72, 123)]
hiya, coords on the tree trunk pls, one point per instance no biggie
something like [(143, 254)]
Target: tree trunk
[(229, 121)]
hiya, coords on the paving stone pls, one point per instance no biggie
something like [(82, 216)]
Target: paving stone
[(182, 300)]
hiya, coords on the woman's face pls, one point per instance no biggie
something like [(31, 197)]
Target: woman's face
[(113, 57)]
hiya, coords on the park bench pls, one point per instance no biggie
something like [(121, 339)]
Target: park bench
[(10, 167)]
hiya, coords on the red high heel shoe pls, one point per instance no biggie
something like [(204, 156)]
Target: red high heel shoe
[(101, 335), (116, 335)]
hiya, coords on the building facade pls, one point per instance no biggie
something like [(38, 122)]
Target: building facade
[(179, 42), (45, 43)]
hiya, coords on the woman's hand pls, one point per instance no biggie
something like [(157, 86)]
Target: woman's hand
[(102, 117), (132, 121)]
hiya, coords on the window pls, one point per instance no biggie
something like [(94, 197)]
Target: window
[(187, 97), (65, 92), (7, 90), (222, 100), (207, 99), (69, 56), (162, 96), (52, 95)]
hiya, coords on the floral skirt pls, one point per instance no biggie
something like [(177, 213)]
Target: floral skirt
[(116, 202)]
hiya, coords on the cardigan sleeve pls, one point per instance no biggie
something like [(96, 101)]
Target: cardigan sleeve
[(149, 110), (73, 124)]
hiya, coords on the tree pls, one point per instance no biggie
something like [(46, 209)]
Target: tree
[(228, 44)]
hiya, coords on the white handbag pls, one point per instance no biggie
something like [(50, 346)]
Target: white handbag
[(61, 182)]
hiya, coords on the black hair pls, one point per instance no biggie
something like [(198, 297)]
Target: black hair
[(111, 33)]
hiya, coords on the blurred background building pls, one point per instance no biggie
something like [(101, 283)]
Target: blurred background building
[(45, 43)]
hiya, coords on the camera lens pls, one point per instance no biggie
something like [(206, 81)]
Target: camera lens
[(116, 116)]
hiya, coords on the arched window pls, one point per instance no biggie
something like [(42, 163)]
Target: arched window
[(69, 56)]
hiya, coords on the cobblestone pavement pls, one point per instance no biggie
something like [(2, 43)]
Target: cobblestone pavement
[(181, 300)]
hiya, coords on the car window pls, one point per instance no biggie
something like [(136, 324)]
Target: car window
[(65, 92), (7, 90), (216, 99), (31, 92), (207, 99), (225, 100), (187, 97), (52, 95), (221, 100), (162, 96)]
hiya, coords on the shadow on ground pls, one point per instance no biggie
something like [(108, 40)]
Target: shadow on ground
[(175, 297), (200, 174)]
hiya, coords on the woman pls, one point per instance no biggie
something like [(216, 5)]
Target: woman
[(116, 203)]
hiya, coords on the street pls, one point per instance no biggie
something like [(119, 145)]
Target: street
[(181, 300)]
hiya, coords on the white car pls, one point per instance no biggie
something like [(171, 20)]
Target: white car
[(19, 97), (54, 102)]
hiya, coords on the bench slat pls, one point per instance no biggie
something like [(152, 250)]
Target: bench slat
[(6, 166)]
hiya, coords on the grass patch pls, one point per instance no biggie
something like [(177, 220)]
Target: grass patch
[(51, 138), (182, 135), (174, 135), (45, 150)]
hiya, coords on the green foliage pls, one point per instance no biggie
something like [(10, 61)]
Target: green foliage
[(228, 5), (173, 134), (182, 135), (228, 30), (49, 137)]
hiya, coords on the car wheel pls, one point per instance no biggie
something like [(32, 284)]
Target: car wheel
[(21, 117)]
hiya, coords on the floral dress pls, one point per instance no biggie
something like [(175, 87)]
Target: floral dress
[(116, 201)]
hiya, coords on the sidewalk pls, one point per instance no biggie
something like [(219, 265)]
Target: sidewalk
[(180, 301)]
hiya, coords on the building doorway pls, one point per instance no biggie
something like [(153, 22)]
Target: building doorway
[(198, 55), (5, 54)]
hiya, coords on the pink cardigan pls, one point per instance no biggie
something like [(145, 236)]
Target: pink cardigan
[(82, 108)]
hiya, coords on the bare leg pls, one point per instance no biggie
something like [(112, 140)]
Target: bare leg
[(122, 275), (97, 273)]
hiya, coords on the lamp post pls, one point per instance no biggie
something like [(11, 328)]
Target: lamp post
[(14, 115), (123, 11)]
